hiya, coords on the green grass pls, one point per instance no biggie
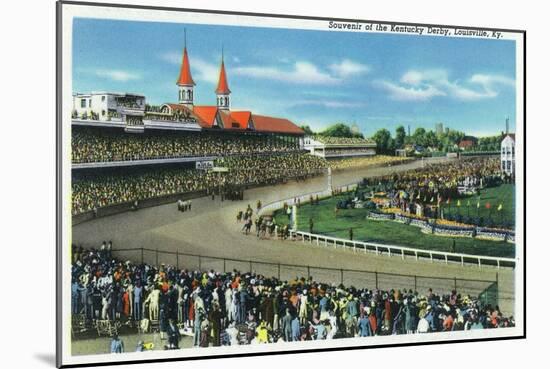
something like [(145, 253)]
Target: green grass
[(387, 232), (503, 194)]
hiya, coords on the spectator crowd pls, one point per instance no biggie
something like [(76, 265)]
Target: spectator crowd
[(330, 140), (365, 162), (91, 145), (234, 308), (420, 190), (98, 190)]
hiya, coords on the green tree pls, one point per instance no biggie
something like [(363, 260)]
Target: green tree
[(384, 141), (340, 130), (400, 136), (419, 136), (307, 130), (431, 139)]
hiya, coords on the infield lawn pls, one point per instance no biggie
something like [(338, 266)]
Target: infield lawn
[(489, 201), (326, 222)]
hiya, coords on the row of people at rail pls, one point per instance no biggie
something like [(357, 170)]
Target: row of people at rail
[(100, 145), (235, 308), (99, 190)]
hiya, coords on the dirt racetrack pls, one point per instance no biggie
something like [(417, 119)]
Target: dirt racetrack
[(211, 229)]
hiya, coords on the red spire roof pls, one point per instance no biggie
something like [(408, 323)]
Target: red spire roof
[(185, 77), (223, 87)]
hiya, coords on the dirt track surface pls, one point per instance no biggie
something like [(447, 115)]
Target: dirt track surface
[(211, 229)]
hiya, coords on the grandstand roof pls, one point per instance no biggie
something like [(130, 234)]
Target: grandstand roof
[(264, 123), (239, 119), (223, 87), (184, 109), (207, 115), (185, 78)]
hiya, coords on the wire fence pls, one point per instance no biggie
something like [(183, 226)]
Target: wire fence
[(285, 272)]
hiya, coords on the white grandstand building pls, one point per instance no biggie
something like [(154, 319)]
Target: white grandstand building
[(508, 154), (334, 147)]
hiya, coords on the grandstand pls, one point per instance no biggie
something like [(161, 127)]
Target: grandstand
[(162, 150), (339, 147), (115, 129)]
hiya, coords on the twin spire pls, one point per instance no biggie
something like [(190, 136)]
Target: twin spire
[(185, 78), (186, 84), (223, 87)]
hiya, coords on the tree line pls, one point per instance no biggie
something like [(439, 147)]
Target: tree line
[(386, 143)]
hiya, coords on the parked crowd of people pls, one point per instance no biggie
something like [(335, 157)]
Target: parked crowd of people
[(416, 190), (233, 308), (100, 145), (91, 192)]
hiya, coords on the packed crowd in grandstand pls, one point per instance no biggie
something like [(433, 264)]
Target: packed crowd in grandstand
[(101, 145), (242, 308), (98, 190), (363, 162), (348, 151), (330, 140)]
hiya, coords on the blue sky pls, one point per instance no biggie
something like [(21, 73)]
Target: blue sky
[(311, 77)]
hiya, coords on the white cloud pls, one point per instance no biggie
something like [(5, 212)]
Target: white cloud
[(348, 68), (299, 72), (423, 85), (416, 78), (117, 75), (409, 93), (487, 79), (206, 71), (329, 103), (172, 57), (302, 72)]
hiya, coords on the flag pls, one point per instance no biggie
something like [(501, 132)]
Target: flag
[(458, 203), (499, 207)]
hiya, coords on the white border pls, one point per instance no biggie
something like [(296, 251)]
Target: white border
[(71, 11)]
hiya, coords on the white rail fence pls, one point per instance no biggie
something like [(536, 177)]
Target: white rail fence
[(378, 248), (393, 250), (279, 204)]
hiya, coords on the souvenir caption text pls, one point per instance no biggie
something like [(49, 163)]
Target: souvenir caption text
[(418, 30)]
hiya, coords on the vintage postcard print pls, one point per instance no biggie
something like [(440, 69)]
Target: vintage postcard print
[(234, 184)]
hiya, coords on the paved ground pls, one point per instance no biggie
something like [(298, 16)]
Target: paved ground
[(210, 228), (102, 345)]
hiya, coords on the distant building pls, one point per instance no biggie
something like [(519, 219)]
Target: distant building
[(104, 106), (467, 143), (508, 154), (439, 129)]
